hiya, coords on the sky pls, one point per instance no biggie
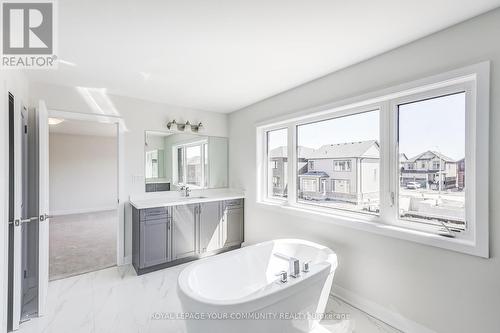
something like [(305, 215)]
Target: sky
[(359, 127), (436, 124), (277, 139)]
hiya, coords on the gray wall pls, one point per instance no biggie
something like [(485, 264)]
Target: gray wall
[(443, 290)]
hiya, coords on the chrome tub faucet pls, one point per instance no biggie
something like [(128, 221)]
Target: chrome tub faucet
[(293, 263)]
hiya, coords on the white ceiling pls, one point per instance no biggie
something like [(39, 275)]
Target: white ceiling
[(79, 127), (226, 54)]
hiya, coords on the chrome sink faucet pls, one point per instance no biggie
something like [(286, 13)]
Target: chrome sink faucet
[(185, 191)]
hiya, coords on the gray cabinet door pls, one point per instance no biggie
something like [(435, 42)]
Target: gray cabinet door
[(154, 242), (210, 226), (232, 234), (184, 233)]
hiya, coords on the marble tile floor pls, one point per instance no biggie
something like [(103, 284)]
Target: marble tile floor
[(117, 300)]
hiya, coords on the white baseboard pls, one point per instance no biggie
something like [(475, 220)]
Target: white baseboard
[(125, 261), (378, 311), (82, 211)]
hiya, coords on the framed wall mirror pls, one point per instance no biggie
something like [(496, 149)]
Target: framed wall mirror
[(173, 160)]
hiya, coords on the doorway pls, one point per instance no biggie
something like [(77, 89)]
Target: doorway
[(83, 187)]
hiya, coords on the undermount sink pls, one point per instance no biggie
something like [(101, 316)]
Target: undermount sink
[(199, 197)]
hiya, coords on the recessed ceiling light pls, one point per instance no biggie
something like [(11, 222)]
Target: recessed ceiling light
[(55, 121)]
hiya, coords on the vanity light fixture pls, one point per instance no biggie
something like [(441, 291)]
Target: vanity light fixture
[(185, 127)]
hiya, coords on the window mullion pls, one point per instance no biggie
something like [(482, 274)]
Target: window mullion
[(388, 156), (386, 153), (292, 164)]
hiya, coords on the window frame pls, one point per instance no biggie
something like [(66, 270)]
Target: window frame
[(474, 80), (395, 219)]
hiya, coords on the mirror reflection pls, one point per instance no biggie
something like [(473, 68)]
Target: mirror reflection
[(173, 160)]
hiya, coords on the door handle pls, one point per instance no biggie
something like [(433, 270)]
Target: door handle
[(18, 222), (29, 219), (15, 222)]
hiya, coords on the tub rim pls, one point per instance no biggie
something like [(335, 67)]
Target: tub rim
[(329, 266)]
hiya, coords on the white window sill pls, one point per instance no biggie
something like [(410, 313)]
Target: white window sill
[(373, 224)]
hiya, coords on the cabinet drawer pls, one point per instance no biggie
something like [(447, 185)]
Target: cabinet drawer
[(154, 213), (235, 203), (157, 220)]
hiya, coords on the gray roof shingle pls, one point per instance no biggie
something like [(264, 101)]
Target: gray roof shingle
[(429, 155), (345, 150), (337, 150)]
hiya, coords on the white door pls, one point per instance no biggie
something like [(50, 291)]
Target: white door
[(43, 241), (18, 118), (20, 211)]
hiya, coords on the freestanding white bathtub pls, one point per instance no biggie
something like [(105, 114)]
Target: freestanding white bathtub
[(239, 292)]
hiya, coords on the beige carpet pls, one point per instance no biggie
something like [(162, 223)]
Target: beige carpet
[(82, 243)]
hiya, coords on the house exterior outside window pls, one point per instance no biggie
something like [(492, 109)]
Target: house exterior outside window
[(279, 164), (430, 178), (343, 173), (461, 174)]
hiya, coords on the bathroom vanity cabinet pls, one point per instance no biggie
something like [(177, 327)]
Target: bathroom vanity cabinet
[(168, 236)]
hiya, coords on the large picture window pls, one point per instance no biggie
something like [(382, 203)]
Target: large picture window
[(346, 147), (412, 162), (433, 192)]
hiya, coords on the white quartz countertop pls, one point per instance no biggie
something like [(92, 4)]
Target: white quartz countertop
[(171, 200)]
